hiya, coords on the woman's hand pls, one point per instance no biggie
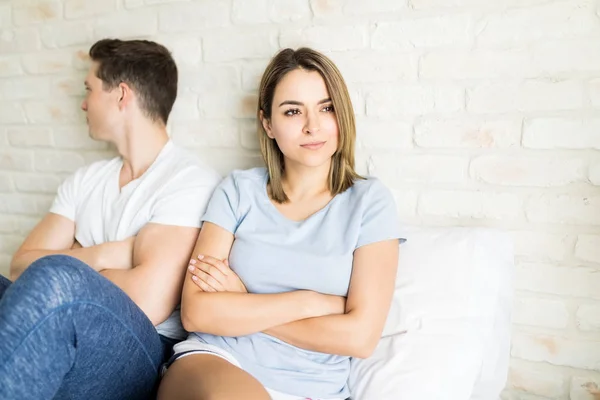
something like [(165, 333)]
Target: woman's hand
[(213, 275)]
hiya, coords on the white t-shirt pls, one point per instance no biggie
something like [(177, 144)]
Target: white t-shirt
[(174, 190)]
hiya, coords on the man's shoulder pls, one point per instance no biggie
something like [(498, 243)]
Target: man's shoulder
[(95, 170), (191, 168)]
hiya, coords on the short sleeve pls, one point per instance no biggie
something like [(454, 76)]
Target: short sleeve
[(223, 206), (380, 219), (185, 199), (65, 201)]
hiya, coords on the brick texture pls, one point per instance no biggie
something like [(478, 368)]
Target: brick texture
[(473, 112)]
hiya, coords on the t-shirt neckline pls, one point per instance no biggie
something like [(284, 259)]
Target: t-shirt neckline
[(280, 216), (135, 183)]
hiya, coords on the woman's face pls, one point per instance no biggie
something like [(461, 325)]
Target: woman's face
[(303, 121)]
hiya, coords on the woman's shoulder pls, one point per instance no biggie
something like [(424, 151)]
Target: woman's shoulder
[(246, 179), (368, 194), (368, 187), (249, 176)]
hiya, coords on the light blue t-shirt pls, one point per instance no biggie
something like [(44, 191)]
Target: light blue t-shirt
[(273, 254)]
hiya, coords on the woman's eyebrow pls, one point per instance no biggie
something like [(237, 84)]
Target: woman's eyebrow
[(299, 103)]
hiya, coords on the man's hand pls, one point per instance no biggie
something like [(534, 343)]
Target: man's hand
[(116, 255), (213, 275), (113, 255)]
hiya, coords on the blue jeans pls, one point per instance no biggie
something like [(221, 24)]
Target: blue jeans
[(66, 332)]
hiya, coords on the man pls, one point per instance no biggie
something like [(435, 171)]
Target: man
[(90, 314)]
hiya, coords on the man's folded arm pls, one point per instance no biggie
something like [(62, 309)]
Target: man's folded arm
[(160, 258), (54, 234)]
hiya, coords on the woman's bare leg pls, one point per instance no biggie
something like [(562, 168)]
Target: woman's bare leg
[(208, 377)]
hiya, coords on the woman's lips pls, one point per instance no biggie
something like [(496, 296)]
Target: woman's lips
[(313, 146)]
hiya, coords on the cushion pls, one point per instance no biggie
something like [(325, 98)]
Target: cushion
[(448, 332)]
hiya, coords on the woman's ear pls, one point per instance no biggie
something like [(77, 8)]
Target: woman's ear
[(266, 124)]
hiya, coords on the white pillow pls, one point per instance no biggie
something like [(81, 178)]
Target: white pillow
[(448, 332)]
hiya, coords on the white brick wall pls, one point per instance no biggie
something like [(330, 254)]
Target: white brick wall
[(474, 112), (541, 312), (529, 379)]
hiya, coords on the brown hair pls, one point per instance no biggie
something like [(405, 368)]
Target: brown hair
[(146, 66), (341, 172)]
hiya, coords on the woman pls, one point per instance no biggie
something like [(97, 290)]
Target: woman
[(294, 268)]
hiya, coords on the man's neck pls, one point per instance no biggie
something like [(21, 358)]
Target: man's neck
[(139, 148)]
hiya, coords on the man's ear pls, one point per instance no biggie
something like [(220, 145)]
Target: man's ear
[(125, 95), (266, 123)]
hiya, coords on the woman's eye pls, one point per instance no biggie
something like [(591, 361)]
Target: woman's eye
[(293, 111), (328, 108)]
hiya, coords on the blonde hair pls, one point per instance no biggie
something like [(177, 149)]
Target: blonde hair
[(341, 172)]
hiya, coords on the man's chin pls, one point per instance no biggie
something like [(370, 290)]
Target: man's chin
[(98, 136)]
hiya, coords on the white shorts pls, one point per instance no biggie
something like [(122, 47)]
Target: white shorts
[(194, 346)]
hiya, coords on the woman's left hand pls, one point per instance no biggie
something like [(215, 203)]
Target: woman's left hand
[(214, 275)]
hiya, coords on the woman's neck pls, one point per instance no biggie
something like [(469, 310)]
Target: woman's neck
[(301, 182)]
